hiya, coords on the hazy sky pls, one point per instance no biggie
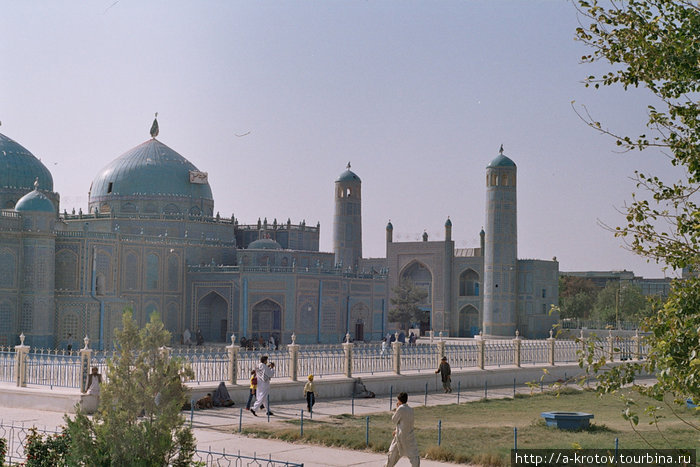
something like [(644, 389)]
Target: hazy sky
[(418, 95)]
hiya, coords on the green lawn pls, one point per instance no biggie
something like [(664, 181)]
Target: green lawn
[(482, 432)]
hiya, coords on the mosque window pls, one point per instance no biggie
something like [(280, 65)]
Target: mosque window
[(131, 276), (109, 187), (469, 284), (348, 192), (152, 268), (7, 269), (66, 270), (505, 179), (70, 325), (26, 322), (104, 269), (5, 317), (171, 209), (41, 273), (128, 207), (195, 211), (173, 273), (544, 293)]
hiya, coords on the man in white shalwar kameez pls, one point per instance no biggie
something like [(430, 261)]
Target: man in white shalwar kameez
[(264, 373), (404, 442)]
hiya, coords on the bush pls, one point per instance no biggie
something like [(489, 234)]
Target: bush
[(50, 450)]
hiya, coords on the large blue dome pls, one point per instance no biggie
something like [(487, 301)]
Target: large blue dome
[(152, 171), (19, 168)]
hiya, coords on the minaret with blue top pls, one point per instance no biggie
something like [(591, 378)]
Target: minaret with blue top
[(500, 248), (347, 221)]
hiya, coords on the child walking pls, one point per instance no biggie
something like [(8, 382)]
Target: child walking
[(309, 393), (253, 389)]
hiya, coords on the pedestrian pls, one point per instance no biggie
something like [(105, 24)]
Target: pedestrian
[(404, 442), (187, 337), (199, 337), (69, 344), (445, 372), (309, 393), (271, 343), (253, 389), (264, 373), (384, 346)]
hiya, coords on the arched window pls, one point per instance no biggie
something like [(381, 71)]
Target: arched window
[(131, 271), (5, 317), (469, 284), (152, 271), (173, 273), (66, 270)]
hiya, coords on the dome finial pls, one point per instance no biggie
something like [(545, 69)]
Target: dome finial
[(348, 166), (500, 151), (154, 127), (36, 183)]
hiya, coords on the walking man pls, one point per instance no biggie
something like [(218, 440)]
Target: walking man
[(404, 442), (445, 372), (264, 372)]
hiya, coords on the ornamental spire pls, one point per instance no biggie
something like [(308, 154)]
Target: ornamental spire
[(36, 183), (348, 166), (154, 127), (500, 151)]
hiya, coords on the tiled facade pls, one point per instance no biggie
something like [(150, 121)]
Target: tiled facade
[(64, 276)]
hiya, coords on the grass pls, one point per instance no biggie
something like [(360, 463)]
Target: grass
[(481, 432)]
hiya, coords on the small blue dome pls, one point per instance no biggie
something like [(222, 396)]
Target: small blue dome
[(348, 176), (264, 244), (19, 168), (448, 222), (501, 161), (35, 201), (390, 226)]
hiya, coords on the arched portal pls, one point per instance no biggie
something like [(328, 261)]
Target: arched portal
[(469, 283), (420, 275), (212, 314), (267, 320), (468, 321)]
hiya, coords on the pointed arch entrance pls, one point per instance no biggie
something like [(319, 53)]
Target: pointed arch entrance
[(468, 321), (422, 277), (267, 320), (212, 317)]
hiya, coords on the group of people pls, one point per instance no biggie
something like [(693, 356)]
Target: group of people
[(187, 337), (272, 343)]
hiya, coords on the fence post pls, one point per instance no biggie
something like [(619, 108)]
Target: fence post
[(85, 357), (21, 352), (480, 350), (583, 343), (396, 355), (441, 350), (233, 350), (551, 341), (611, 345), (293, 358), (347, 348), (517, 343), (637, 342)]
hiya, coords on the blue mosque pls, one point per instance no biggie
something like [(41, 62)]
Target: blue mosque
[(151, 240)]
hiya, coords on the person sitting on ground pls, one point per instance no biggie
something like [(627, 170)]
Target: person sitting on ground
[(94, 381), (205, 402), (309, 393), (221, 397), (360, 391)]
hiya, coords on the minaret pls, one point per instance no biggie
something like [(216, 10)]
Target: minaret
[(501, 248), (347, 221)]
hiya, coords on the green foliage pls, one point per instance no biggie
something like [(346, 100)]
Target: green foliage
[(3, 451), (407, 297), (50, 450), (653, 44), (138, 421), (622, 302), (576, 297)]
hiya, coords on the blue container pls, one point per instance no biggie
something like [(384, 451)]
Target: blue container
[(567, 420)]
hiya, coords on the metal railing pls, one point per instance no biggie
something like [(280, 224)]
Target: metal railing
[(462, 355), (534, 352), (53, 368), (7, 365), (16, 438), (321, 362)]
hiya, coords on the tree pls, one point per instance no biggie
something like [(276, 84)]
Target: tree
[(654, 44), (138, 421), (576, 297), (623, 302), (406, 298)]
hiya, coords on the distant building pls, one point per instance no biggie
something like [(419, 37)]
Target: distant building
[(660, 287), (152, 240)]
